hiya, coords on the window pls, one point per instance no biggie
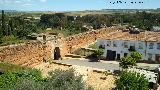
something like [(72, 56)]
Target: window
[(102, 46), (151, 45), (158, 46), (149, 56), (114, 44), (109, 43), (125, 45), (125, 54), (140, 46)]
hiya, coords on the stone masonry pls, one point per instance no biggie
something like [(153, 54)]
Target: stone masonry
[(33, 53)]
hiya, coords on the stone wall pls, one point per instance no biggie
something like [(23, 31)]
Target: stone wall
[(26, 54), (70, 44), (33, 53)]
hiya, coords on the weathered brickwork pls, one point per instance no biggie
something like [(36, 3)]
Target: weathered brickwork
[(32, 53), (72, 43), (26, 54)]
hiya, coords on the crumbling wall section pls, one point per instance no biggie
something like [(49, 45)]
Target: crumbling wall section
[(26, 54), (72, 43)]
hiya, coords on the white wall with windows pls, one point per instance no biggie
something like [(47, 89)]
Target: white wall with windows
[(149, 50)]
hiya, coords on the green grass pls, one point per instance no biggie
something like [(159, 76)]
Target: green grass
[(93, 46), (6, 67), (9, 40)]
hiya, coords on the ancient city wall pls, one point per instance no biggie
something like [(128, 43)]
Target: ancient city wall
[(70, 44), (26, 54), (32, 53)]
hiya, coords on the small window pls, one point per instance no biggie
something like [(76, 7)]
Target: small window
[(140, 46), (158, 46), (151, 45), (102, 46), (114, 44), (125, 45), (108, 43), (149, 56)]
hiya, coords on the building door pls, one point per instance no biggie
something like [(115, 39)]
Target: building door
[(158, 58), (111, 55), (118, 56), (109, 52), (125, 54)]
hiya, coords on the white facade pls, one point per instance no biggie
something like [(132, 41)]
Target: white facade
[(115, 49)]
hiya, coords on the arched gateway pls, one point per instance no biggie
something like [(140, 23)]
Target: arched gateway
[(57, 55)]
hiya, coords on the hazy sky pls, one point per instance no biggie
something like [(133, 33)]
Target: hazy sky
[(74, 5)]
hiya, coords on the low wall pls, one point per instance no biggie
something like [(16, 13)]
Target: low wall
[(26, 54)]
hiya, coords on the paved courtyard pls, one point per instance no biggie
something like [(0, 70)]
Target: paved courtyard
[(107, 65), (86, 63)]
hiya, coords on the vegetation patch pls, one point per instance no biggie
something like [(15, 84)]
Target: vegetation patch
[(31, 79), (132, 81)]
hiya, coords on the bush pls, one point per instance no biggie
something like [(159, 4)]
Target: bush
[(99, 53), (132, 81), (6, 67), (136, 55), (8, 40), (64, 80), (10, 79), (31, 79), (27, 84), (57, 80), (125, 62)]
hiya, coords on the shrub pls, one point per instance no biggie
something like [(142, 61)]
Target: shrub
[(57, 80), (6, 67), (132, 81), (7, 40), (136, 55), (31, 79), (9, 79), (27, 84), (99, 53), (125, 62), (64, 80)]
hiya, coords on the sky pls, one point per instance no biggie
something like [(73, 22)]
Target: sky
[(75, 5)]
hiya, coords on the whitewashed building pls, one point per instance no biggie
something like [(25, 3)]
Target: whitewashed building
[(119, 45)]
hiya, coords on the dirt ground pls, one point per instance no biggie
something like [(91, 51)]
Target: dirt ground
[(97, 80)]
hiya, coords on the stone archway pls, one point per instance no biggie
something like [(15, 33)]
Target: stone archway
[(57, 55)]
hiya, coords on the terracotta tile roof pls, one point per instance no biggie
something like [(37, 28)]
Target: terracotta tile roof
[(143, 36)]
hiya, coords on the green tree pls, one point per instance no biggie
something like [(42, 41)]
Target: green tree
[(99, 53), (3, 23), (126, 62), (132, 81), (136, 55)]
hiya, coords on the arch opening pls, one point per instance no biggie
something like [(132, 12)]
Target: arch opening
[(57, 55)]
